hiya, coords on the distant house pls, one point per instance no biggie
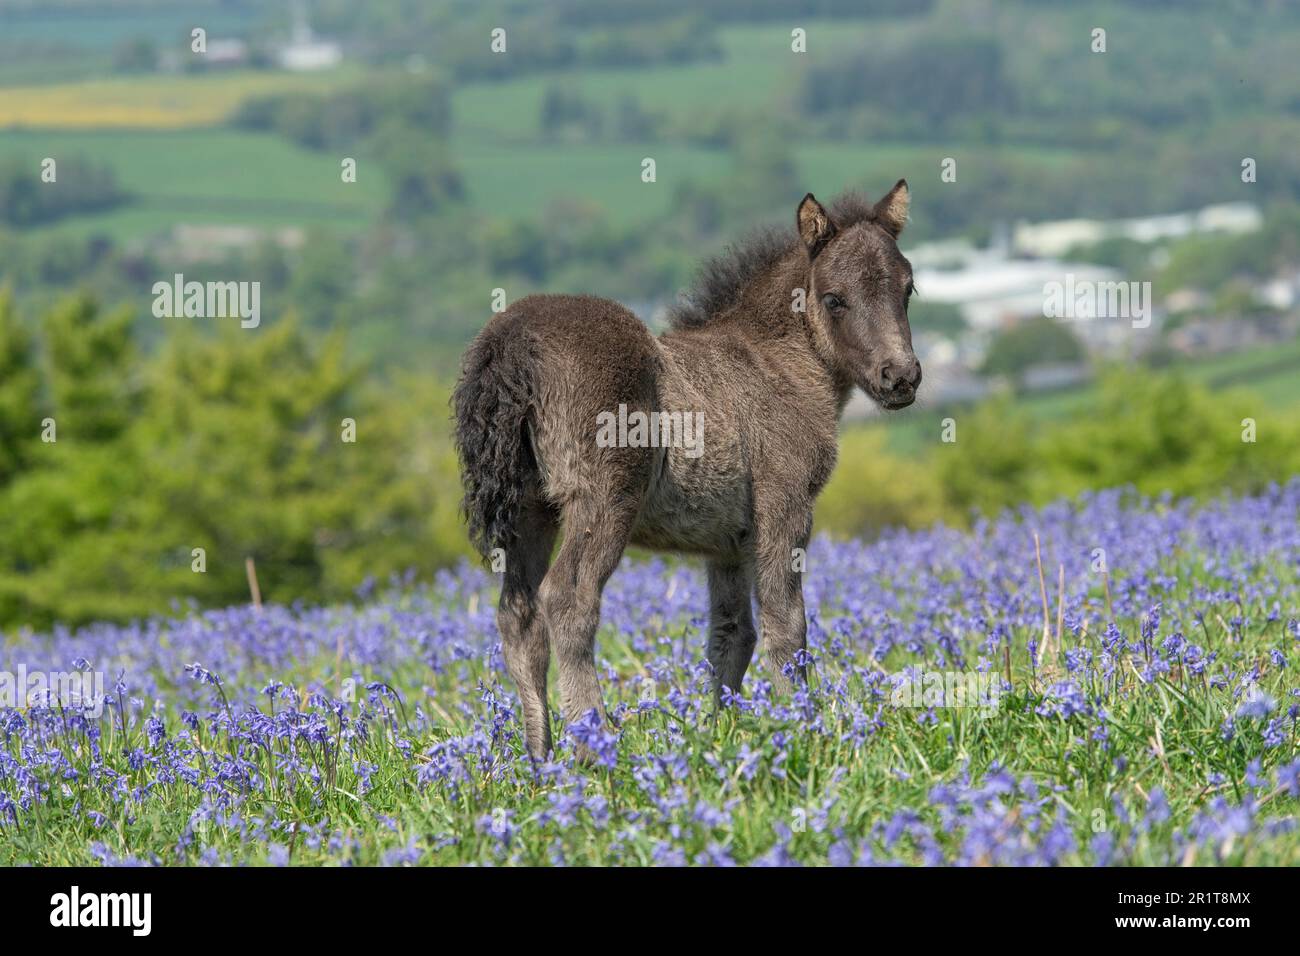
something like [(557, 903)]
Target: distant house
[(219, 53), (310, 54), (1051, 239), (305, 51), (1187, 300), (225, 53), (1282, 292), (1215, 335)]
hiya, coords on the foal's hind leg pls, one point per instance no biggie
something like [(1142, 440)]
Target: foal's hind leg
[(522, 627), (731, 624), (595, 534)]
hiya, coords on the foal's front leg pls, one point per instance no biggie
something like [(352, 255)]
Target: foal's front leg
[(731, 624), (783, 530)]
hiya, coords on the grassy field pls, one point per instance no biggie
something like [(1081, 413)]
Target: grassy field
[(154, 101), (757, 66), (44, 45), (160, 135), (512, 183), (512, 172), (497, 129), (209, 176), (1146, 723), (522, 180), (1271, 373), (508, 169)]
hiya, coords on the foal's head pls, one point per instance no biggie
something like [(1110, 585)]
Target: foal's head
[(857, 298)]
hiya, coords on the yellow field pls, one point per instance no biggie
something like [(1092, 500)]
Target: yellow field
[(151, 102)]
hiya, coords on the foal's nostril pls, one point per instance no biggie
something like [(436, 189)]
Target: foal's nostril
[(894, 376)]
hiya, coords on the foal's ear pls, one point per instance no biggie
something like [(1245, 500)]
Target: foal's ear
[(815, 226), (891, 211)]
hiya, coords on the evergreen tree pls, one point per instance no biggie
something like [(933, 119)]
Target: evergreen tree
[(19, 386), (91, 362)]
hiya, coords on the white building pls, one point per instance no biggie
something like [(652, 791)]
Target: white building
[(1055, 238), (305, 51), (993, 291)]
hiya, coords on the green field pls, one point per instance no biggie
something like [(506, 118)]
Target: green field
[(521, 181), (1271, 373), (43, 45), (156, 101), (516, 183), (1094, 747), (757, 68), (208, 176), (497, 133)]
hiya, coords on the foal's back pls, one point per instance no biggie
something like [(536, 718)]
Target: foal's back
[(586, 357), (577, 356)]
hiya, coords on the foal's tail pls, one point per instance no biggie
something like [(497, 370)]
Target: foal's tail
[(497, 388)]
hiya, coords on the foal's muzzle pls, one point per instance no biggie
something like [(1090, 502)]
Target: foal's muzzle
[(898, 382)]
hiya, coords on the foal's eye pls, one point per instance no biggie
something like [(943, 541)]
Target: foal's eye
[(833, 302)]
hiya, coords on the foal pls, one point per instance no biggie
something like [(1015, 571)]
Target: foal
[(763, 355)]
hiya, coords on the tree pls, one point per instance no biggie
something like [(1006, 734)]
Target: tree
[(989, 465), (421, 175), (263, 445), (939, 318), (323, 279), (764, 176), (135, 55), (91, 361), (1034, 342), (19, 387)]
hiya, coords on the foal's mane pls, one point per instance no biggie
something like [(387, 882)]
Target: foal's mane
[(719, 282)]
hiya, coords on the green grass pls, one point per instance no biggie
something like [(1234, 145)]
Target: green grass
[(208, 176), (1169, 735), (218, 176), (516, 183), (521, 180), (1270, 372), (757, 66), (497, 141), (154, 101)]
